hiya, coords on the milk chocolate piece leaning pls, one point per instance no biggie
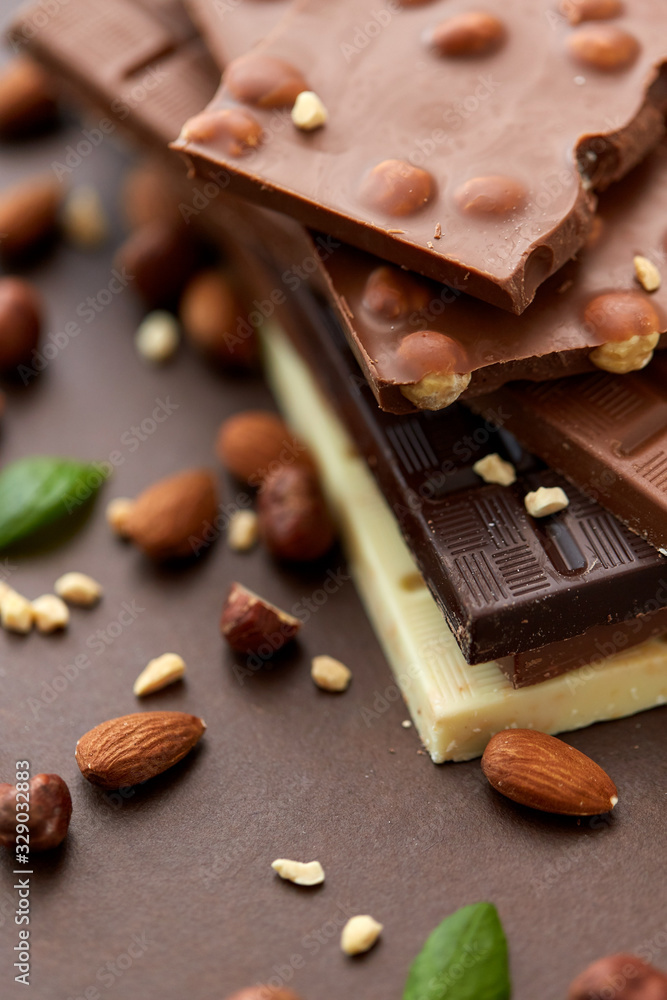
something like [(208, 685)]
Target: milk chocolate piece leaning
[(475, 167), (606, 433), (232, 28), (532, 666), (506, 583)]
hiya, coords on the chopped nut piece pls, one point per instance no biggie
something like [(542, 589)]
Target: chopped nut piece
[(50, 613), (84, 220), (623, 356), (159, 673), (78, 588), (299, 872), (542, 502), (16, 612), (359, 934), (117, 514), (647, 273), (243, 530), (252, 625), (493, 469), (308, 112), (330, 674), (407, 724), (436, 390), (158, 336)]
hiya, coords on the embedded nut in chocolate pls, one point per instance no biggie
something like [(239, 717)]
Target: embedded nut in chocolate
[(621, 315), (294, 521), (493, 195), (391, 293), (473, 33), (264, 81), (20, 322), (434, 361), (604, 47), (621, 357), (577, 11), (50, 812), (252, 625), (397, 188), (621, 977), (234, 130)]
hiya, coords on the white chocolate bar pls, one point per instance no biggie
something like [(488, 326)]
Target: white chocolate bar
[(455, 707)]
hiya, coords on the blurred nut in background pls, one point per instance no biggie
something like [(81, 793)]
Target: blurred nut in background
[(27, 99), (161, 258), (158, 336), (214, 321), (172, 518), (149, 195), (252, 443), (84, 221), (619, 977), (50, 812), (28, 216), (294, 522), (20, 322)]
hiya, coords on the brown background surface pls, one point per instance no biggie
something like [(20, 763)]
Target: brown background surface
[(182, 864)]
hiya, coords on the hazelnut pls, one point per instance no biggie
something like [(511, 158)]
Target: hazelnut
[(493, 469), (294, 522), (50, 812), (252, 625), (252, 443), (233, 130), (50, 613), (623, 356), (620, 316), (545, 501), (264, 81), (492, 195), (604, 47), (577, 11), (149, 195), (360, 934), (20, 322), (621, 977), (27, 98), (470, 34), (299, 872), (391, 293), (169, 519), (436, 364), (28, 215), (161, 257), (395, 187), (330, 674), (215, 322)]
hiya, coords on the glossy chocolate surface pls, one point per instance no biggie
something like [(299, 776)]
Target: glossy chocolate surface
[(456, 165)]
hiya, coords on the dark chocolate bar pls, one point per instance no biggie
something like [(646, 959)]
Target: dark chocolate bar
[(606, 433), (474, 166)]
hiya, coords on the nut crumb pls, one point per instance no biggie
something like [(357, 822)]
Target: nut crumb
[(78, 588), (117, 514), (407, 724), (359, 934), (545, 501), (50, 613), (396, 232), (299, 872), (84, 220), (158, 336), (160, 672), (623, 356), (429, 244), (16, 612), (438, 231), (243, 531), (493, 469), (647, 274), (330, 674), (309, 112)]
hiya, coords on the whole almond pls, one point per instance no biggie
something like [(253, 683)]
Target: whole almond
[(27, 100), (544, 773), (28, 215), (134, 748), (170, 519), (294, 521), (254, 443)]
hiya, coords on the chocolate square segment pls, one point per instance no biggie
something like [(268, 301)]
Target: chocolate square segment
[(491, 130)]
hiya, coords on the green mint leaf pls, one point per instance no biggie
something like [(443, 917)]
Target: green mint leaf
[(465, 958), (36, 491)]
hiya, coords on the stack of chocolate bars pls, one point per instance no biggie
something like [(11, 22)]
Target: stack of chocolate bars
[(454, 224)]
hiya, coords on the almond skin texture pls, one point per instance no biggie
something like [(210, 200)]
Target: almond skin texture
[(252, 625), (50, 812), (544, 773), (254, 443), (168, 520), (133, 748), (294, 521), (623, 977), (28, 215)]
